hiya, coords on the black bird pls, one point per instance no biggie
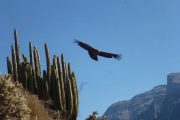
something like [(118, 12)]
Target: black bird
[(93, 53)]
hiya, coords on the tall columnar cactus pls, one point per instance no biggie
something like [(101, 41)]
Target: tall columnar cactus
[(17, 52), (48, 64), (61, 83), (25, 60), (37, 71), (15, 72), (63, 69), (9, 66), (37, 62), (32, 66), (69, 99), (45, 86), (74, 92), (24, 73), (54, 82), (76, 104), (58, 82), (31, 53), (30, 78)]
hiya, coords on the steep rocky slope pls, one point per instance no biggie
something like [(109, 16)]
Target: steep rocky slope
[(160, 103)]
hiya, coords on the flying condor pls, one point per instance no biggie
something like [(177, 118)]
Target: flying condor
[(93, 52)]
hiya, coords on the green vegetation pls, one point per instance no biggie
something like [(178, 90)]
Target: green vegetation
[(95, 117)]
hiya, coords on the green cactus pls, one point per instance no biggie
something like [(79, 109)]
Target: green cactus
[(48, 64), (70, 98), (31, 53), (15, 72), (45, 86), (63, 69), (58, 98), (33, 76), (24, 72), (38, 63), (17, 52), (74, 92), (30, 79), (76, 89), (37, 71), (27, 78), (25, 60), (62, 85), (9, 66), (52, 87)]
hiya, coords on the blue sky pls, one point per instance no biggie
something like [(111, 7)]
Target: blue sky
[(145, 32)]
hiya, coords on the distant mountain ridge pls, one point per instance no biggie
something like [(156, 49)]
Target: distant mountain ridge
[(160, 103)]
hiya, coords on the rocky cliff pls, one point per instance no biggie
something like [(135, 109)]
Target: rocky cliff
[(160, 103)]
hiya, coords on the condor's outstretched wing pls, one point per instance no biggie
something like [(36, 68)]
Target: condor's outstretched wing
[(109, 55), (85, 46)]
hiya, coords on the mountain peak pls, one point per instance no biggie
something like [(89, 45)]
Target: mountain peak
[(173, 84)]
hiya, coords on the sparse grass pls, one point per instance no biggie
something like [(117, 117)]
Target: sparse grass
[(38, 111)]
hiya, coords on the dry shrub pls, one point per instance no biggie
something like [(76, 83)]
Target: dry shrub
[(38, 111), (13, 105)]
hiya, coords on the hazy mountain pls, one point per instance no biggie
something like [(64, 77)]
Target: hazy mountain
[(160, 103)]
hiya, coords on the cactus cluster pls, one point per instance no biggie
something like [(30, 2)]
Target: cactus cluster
[(56, 83)]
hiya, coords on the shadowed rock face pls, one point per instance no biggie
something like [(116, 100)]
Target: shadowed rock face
[(173, 81), (160, 103)]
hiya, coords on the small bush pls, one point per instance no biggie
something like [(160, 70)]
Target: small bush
[(95, 117), (14, 105)]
